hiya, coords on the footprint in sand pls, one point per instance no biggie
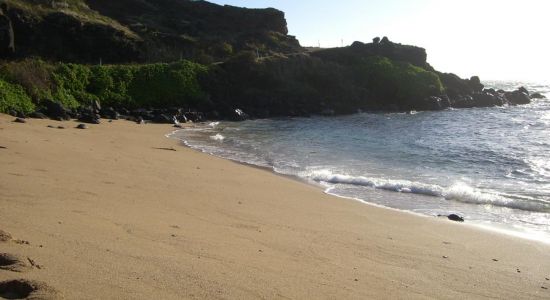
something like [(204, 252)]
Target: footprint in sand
[(27, 289), (9, 262), (4, 236)]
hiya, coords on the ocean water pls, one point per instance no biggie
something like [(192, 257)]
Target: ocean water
[(490, 165)]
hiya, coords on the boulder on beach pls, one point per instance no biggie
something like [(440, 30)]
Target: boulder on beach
[(90, 118), (37, 115), (109, 113), (55, 110)]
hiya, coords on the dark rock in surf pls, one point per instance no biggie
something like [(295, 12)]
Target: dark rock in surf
[(194, 116), (523, 90), (455, 217), (537, 96), (517, 97), (433, 103), (239, 115), (463, 102), (485, 99), (475, 84)]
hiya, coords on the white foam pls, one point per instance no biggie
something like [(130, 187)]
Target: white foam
[(218, 137), (458, 192), (213, 124)]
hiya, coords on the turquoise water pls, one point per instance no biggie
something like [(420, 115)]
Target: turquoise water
[(491, 165)]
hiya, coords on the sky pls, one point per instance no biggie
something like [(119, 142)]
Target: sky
[(496, 40)]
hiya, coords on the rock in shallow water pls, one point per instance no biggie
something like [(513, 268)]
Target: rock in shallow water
[(537, 96), (456, 218)]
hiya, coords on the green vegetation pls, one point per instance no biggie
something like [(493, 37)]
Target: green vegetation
[(277, 86), (398, 80), (13, 97), (76, 8), (74, 85)]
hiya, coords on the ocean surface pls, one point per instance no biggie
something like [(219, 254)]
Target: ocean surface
[(490, 165)]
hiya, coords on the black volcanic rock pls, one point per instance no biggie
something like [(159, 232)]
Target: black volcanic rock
[(433, 103), (484, 99), (55, 110), (455, 217), (517, 97), (109, 113), (537, 96), (37, 115)]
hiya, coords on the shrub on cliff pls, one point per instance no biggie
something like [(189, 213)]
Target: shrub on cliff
[(71, 81), (13, 97), (75, 85), (399, 82), (34, 75), (162, 85)]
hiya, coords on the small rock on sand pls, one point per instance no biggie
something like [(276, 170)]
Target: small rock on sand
[(19, 120), (82, 126), (27, 289)]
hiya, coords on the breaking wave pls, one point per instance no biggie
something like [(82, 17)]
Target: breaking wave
[(458, 191)]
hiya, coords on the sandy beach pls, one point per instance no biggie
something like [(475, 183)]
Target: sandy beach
[(119, 211)]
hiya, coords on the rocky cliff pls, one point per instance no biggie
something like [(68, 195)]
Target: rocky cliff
[(123, 31)]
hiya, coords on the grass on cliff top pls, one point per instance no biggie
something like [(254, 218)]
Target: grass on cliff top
[(76, 8)]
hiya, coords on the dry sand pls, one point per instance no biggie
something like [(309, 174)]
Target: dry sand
[(106, 213)]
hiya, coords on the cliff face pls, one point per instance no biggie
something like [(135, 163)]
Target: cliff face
[(145, 30), (358, 51), (62, 36)]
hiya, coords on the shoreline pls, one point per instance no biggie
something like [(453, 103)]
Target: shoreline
[(490, 227), (108, 214)]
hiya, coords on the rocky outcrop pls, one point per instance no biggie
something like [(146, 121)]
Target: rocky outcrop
[(520, 96), (90, 31), (350, 55), (55, 110)]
